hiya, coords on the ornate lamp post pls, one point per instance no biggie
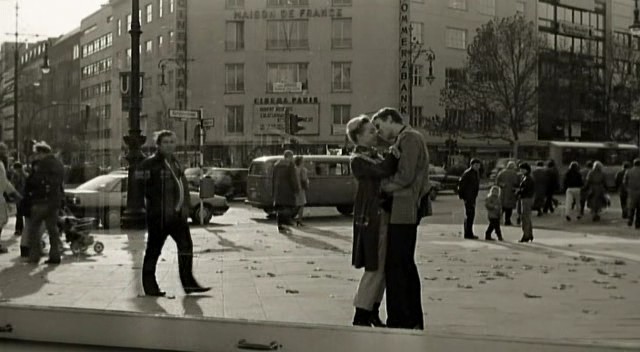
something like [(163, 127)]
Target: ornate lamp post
[(134, 215)]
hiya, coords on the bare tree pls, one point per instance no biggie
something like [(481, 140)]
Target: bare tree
[(500, 83)]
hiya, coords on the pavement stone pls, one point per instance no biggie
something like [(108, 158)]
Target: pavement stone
[(567, 286)]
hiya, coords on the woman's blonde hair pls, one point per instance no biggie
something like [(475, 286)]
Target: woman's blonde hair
[(355, 126)]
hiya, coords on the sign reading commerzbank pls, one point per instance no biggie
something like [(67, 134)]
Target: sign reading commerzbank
[(405, 57), (287, 14)]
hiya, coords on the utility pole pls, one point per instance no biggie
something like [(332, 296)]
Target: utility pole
[(134, 215), (16, 61)]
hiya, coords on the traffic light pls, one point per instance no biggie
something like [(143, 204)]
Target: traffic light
[(293, 124)]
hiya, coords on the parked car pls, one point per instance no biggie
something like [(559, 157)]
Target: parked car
[(105, 198), (230, 183), (193, 175), (446, 180), (331, 183)]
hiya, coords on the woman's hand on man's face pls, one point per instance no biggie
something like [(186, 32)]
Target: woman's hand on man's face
[(395, 151)]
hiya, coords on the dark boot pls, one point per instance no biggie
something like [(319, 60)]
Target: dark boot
[(362, 317), (185, 268), (375, 317)]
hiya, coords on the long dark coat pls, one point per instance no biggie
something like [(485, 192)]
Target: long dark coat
[(596, 190), (541, 179), (285, 183), (369, 169)]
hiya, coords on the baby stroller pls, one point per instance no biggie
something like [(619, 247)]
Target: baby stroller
[(76, 231)]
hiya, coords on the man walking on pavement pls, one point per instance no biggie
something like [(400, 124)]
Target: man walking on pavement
[(285, 187), (166, 193), (406, 186), (632, 185), (468, 189), (45, 191), (623, 191)]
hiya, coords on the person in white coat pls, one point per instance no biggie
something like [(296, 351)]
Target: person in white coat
[(5, 188)]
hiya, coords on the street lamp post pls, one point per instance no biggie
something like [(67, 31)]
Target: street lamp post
[(417, 51), (634, 29), (134, 215)]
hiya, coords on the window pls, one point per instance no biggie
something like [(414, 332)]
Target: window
[(458, 4), (160, 42), (341, 2), (172, 4), (149, 10), (417, 75), (234, 4), (545, 14), (160, 8), (288, 34), (76, 51), (453, 76), (235, 119), (341, 33), (171, 36), (417, 32), (148, 46), (520, 6), (235, 36), (456, 38), (128, 22), (234, 78), (416, 117), (487, 7), (119, 29), (341, 114), (109, 19), (325, 168), (341, 76), (291, 73), (287, 3)]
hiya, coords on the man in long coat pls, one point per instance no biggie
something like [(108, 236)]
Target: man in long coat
[(468, 189), (407, 186), (508, 181), (285, 188), (541, 178)]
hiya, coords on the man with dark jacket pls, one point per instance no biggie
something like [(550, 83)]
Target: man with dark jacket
[(623, 191), (553, 182), (166, 192), (468, 189), (541, 178), (632, 184), (526, 193), (285, 187), (45, 193), (18, 179)]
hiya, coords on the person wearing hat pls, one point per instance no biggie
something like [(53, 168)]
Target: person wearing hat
[(468, 189), (45, 191), (526, 193)]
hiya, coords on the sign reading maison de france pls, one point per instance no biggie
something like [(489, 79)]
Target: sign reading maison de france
[(287, 14), (405, 57)]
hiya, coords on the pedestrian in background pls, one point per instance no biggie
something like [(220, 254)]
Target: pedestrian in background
[(622, 190), (526, 193), (584, 192), (45, 190), (596, 190), (493, 203), (631, 183), (553, 182), (7, 191), (468, 189), (508, 181), (407, 187), (370, 219), (540, 177), (285, 187), (572, 186), (19, 179), (167, 199), (301, 196)]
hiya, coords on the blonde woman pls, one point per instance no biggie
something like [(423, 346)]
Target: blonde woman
[(5, 188)]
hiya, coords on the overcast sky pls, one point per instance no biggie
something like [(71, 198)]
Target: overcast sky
[(44, 17)]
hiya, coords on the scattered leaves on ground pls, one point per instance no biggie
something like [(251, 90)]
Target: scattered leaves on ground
[(600, 282), (271, 274), (452, 278), (602, 272), (529, 295), (467, 287), (430, 278), (616, 297), (290, 291), (610, 287), (619, 262)]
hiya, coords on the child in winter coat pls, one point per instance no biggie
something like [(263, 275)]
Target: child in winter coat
[(493, 204)]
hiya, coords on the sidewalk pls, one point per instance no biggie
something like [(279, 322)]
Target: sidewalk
[(565, 287)]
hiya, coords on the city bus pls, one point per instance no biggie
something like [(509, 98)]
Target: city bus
[(610, 154)]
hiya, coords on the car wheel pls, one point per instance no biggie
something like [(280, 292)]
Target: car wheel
[(345, 210), (206, 211), (111, 219)]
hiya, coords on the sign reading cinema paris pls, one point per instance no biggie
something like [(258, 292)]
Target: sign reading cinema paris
[(405, 57), (269, 114)]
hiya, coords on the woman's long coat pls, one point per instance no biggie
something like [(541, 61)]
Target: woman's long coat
[(508, 181), (369, 170), (596, 191)]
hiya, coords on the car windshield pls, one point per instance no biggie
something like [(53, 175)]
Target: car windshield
[(100, 183), (215, 174), (192, 171)]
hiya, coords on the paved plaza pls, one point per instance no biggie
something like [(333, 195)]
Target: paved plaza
[(580, 285)]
